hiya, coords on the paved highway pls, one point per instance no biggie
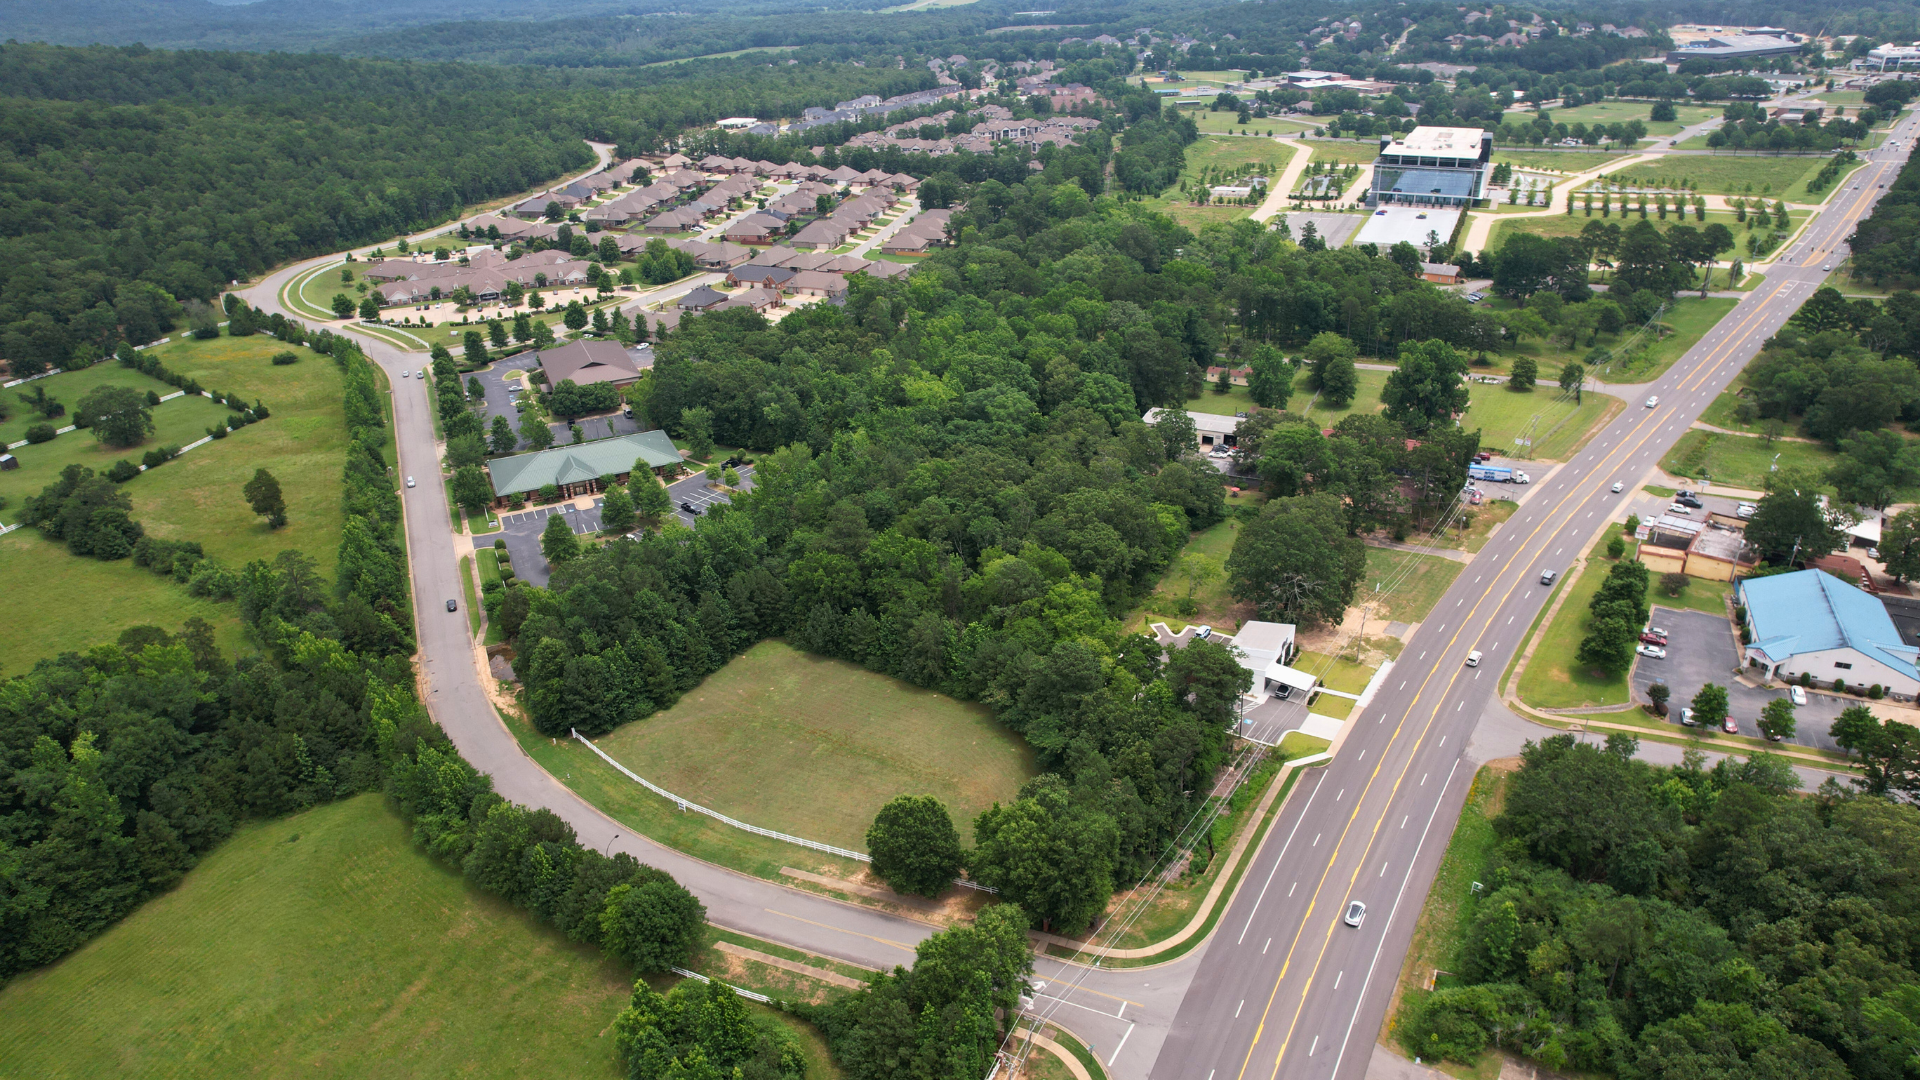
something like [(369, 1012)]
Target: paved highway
[(1286, 988), (1281, 982)]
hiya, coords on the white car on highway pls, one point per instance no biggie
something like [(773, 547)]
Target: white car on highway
[(1356, 911), (1652, 401)]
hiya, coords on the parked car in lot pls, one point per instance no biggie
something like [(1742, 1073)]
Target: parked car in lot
[(1652, 651), (1729, 726), (1652, 629), (1798, 696), (1688, 498), (1678, 508), (1652, 638)]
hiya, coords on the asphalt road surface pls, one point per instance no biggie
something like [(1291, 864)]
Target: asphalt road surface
[(1287, 989)]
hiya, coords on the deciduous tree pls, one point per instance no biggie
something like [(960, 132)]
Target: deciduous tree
[(914, 846)]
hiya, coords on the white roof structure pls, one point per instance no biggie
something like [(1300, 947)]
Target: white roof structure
[(1264, 643), (1208, 423), (1299, 680), (1867, 529), (1439, 142)]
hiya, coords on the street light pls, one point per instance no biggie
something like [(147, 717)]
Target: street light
[(609, 848)]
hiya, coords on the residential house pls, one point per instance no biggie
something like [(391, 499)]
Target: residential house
[(772, 277), (816, 283), (822, 235), (703, 298), (1441, 273)]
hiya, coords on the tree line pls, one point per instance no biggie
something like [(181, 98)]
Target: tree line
[(1650, 921), (141, 179), (126, 764)]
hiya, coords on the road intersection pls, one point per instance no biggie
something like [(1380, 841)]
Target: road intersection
[(1281, 988)]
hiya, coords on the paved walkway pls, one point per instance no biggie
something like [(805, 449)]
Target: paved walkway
[(1482, 224), (1279, 190)]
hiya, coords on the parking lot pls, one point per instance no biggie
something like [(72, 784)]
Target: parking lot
[(522, 532), (499, 402), (1701, 649), (693, 491), (521, 529)]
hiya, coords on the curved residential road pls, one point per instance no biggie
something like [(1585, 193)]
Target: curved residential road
[(1124, 1013), (1288, 990)]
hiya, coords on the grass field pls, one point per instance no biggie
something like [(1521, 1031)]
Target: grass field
[(771, 736), (193, 497), (1214, 152), (303, 444), (1742, 462), (1731, 175), (1569, 162), (1223, 123), (77, 603), (1200, 568), (1359, 152), (1366, 399), (1619, 112), (1451, 900), (68, 388), (1409, 583), (1558, 424), (176, 423), (316, 290), (1553, 679), (1688, 321), (324, 944), (1563, 224)]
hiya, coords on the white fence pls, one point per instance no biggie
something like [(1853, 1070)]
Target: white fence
[(724, 819), (762, 998)]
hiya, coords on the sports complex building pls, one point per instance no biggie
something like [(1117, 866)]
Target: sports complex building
[(1432, 166)]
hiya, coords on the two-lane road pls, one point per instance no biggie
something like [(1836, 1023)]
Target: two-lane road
[(1286, 989)]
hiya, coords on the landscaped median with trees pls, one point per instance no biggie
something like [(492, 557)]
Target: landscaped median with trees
[(1650, 922)]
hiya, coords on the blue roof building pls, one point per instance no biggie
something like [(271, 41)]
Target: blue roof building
[(1813, 623)]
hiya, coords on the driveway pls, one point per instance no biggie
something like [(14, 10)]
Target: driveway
[(1701, 649)]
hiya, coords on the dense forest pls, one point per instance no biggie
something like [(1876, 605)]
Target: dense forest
[(1886, 245), (955, 488), (1654, 922), (126, 174)]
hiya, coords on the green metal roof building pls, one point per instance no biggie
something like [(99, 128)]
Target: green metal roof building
[(577, 469)]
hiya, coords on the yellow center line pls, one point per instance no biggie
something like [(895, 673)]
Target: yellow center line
[(1625, 451), (854, 933)]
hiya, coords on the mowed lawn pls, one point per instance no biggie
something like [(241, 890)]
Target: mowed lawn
[(1729, 175), (72, 604), (1553, 679), (1409, 583), (1556, 422), (176, 423), (303, 444), (324, 944), (813, 747), (1218, 152), (1742, 461), (68, 388)]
